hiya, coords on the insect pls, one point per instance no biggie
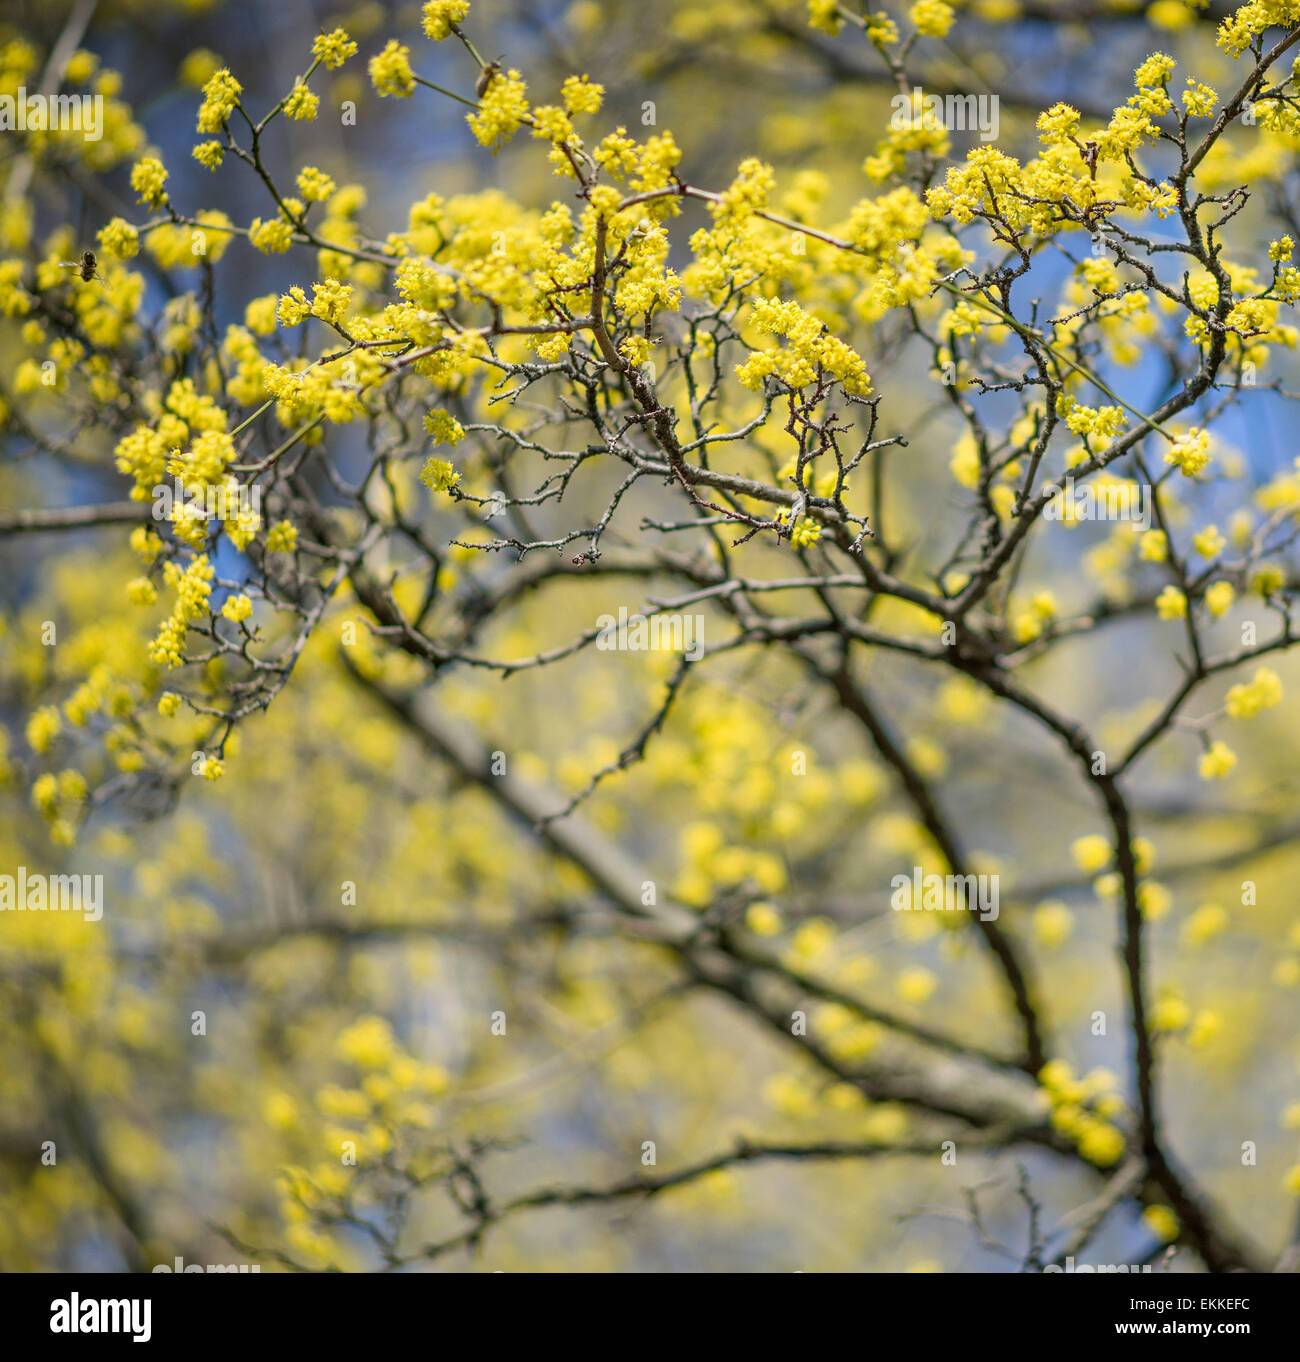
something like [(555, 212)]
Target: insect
[(86, 266), (485, 78)]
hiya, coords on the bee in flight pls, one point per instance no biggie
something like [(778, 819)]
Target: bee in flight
[(86, 266)]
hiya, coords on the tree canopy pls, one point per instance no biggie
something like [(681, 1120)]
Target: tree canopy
[(669, 649)]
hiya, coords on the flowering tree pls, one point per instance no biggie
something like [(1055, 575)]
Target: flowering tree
[(647, 686)]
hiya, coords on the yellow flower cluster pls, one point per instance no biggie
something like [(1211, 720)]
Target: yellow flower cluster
[(1219, 598), (147, 179), (282, 537), (440, 15), (1101, 423), (1262, 691), (42, 728), (237, 608), (1028, 624), (805, 533), (272, 237), (1217, 762), (1083, 1110), (439, 475), (333, 48), (329, 303), (314, 185), (204, 463), (1171, 604), (143, 454), (220, 95), (390, 71), (301, 104), (811, 353), (444, 427), (502, 109), (209, 154), (581, 96), (825, 15), (304, 391), (193, 586), (245, 383), (747, 193), (1208, 542), (120, 239), (1250, 21), (931, 17), (1190, 453)]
